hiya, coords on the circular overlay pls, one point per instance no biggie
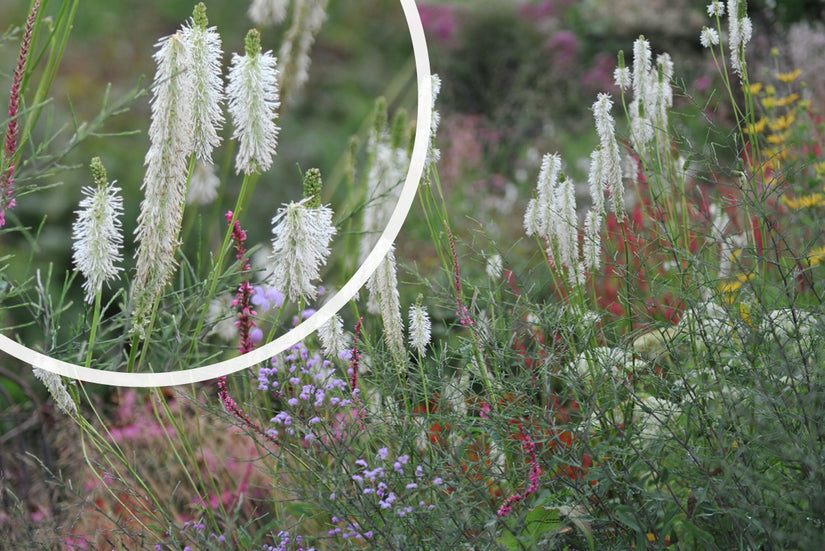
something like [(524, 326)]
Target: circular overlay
[(212, 371)]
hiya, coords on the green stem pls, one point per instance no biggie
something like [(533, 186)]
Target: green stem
[(93, 331)]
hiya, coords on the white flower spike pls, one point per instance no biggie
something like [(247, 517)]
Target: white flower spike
[(253, 104), (97, 233), (300, 246)]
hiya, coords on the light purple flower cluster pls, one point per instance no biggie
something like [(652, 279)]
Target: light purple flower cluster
[(308, 390), (194, 532), (284, 541), (391, 486)]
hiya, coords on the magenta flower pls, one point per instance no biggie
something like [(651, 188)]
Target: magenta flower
[(7, 166)]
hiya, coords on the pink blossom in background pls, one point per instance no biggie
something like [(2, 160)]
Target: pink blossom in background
[(600, 75), (702, 83), (563, 48), (464, 150), (438, 20), (546, 9)]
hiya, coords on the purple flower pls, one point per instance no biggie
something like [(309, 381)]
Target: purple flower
[(437, 481), (263, 297), (382, 453)]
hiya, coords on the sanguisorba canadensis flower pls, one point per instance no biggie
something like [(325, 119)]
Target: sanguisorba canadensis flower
[(383, 288), (333, 341), (253, 104), (97, 232), (610, 167), (268, 12), (308, 16), (419, 326), (185, 120), (300, 246), (433, 153), (164, 185), (57, 388), (740, 30), (204, 44)]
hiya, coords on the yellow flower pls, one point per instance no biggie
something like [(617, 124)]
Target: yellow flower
[(732, 285), (789, 77), (805, 104), (769, 103), (782, 123), (779, 137), (787, 100), (770, 90), (745, 314), (754, 88), (804, 201), (820, 168), (816, 256), (757, 127)]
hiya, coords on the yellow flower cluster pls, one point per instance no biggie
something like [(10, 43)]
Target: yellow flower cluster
[(804, 201), (816, 256), (777, 125), (730, 287)]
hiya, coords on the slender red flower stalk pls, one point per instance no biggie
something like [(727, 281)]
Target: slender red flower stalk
[(353, 368), (7, 167), (535, 471), (245, 323), (462, 311), (243, 297)]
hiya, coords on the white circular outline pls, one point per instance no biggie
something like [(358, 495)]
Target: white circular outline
[(258, 355)]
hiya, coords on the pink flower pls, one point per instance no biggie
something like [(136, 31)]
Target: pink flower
[(438, 20)]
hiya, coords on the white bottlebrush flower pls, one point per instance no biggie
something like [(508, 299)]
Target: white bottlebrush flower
[(433, 153), (57, 388), (591, 246), (643, 81), (97, 233), (204, 45), (164, 185), (331, 334), (661, 99), (539, 215), (495, 266), (595, 180), (709, 37), (300, 246), (622, 78), (641, 67), (268, 12), (203, 184), (716, 8), (383, 287), (566, 223), (253, 104), (610, 166), (384, 180), (739, 34), (308, 17), (531, 218), (419, 327)]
